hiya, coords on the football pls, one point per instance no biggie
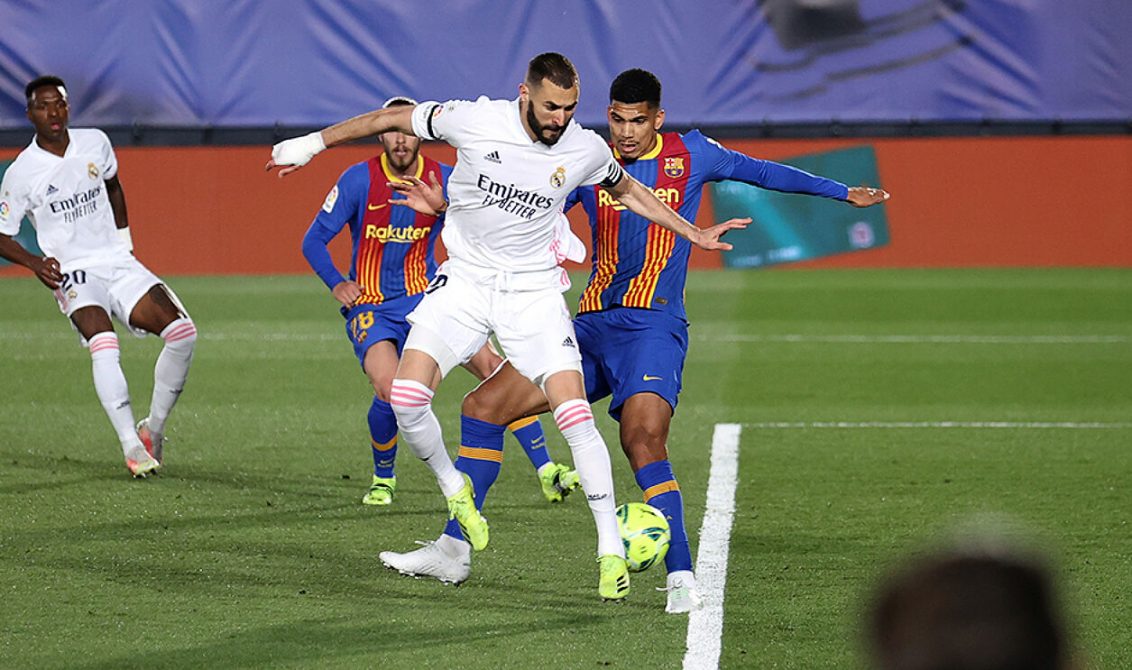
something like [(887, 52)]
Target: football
[(644, 530)]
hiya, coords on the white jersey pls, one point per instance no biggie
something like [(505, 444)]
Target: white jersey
[(65, 199), (506, 191)]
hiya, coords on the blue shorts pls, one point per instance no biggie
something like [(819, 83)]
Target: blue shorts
[(367, 324), (627, 351)]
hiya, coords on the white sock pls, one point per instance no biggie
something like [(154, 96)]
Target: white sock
[(170, 372), (419, 428), (110, 385), (453, 547), (681, 578), (591, 459)]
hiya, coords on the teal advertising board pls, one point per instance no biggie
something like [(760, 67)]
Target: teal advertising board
[(26, 236), (788, 227)]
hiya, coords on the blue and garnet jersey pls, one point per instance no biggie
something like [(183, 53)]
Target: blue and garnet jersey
[(637, 263), (393, 246)]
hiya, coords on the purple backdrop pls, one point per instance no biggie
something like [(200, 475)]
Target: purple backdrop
[(237, 63)]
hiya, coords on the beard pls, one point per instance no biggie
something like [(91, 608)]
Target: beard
[(542, 131), (402, 164)]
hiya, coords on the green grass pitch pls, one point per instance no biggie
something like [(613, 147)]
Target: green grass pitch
[(879, 409)]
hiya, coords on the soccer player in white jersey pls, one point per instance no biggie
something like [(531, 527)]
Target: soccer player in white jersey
[(66, 182), (517, 160)]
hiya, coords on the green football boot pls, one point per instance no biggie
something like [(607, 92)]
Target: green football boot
[(613, 577), (380, 491), (462, 508), (558, 481)]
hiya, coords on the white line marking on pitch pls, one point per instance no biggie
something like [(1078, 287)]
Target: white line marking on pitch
[(927, 339), (1063, 425), (705, 625), (251, 334)]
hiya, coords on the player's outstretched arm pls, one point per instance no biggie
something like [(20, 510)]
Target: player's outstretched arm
[(787, 178), (46, 268), (292, 154), (641, 200), (863, 196), (421, 197)]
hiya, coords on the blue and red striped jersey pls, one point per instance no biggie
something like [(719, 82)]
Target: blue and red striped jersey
[(636, 263), (393, 247)]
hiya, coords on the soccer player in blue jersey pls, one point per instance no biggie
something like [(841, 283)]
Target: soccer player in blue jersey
[(631, 324), (391, 266)]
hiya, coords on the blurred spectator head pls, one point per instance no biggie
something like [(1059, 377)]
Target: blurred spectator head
[(971, 607)]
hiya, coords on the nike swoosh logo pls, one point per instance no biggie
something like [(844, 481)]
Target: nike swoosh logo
[(374, 208), (650, 378)]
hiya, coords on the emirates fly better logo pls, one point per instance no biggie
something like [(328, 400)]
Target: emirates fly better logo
[(512, 199)]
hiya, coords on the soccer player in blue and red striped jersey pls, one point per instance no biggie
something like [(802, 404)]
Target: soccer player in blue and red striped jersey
[(392, 264), (631, 324)]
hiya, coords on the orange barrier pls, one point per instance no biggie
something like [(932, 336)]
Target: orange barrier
[(957, 202)]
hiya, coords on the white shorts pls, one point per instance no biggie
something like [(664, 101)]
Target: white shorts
[(461, 310), (115, 287)]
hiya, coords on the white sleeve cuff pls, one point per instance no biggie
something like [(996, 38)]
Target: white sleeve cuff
[(124, 235)]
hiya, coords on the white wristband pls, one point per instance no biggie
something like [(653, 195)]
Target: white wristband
[(298, 150), (124, 235)]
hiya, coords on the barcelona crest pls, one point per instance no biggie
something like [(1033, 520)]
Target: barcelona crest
[(674, 166)]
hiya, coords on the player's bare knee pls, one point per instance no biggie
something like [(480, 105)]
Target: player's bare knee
[(382, 386), (90, 321), (496, 404), (480, 405), (644, 443), (156, 311)]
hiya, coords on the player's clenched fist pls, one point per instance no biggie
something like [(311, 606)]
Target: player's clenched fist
[(48, 271), (295, 152)]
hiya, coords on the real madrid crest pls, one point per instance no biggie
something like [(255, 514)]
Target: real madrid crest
[(674, 166), (559, 177), (92, 170)]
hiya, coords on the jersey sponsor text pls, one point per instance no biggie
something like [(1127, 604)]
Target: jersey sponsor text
[(396, 235), (669, 196), (78, 205), (512, 199)]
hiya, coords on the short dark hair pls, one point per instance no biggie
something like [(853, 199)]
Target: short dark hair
[(634, 86), (399, 101), (966, 610), (553, 66), (45, 80)]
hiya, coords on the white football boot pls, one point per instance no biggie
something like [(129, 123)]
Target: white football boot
[(446, 559), (154, 444), (140, 463)]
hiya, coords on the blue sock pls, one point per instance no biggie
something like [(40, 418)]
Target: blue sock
[(481, 456), (529, 433), (662, 492), (383, 437)]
